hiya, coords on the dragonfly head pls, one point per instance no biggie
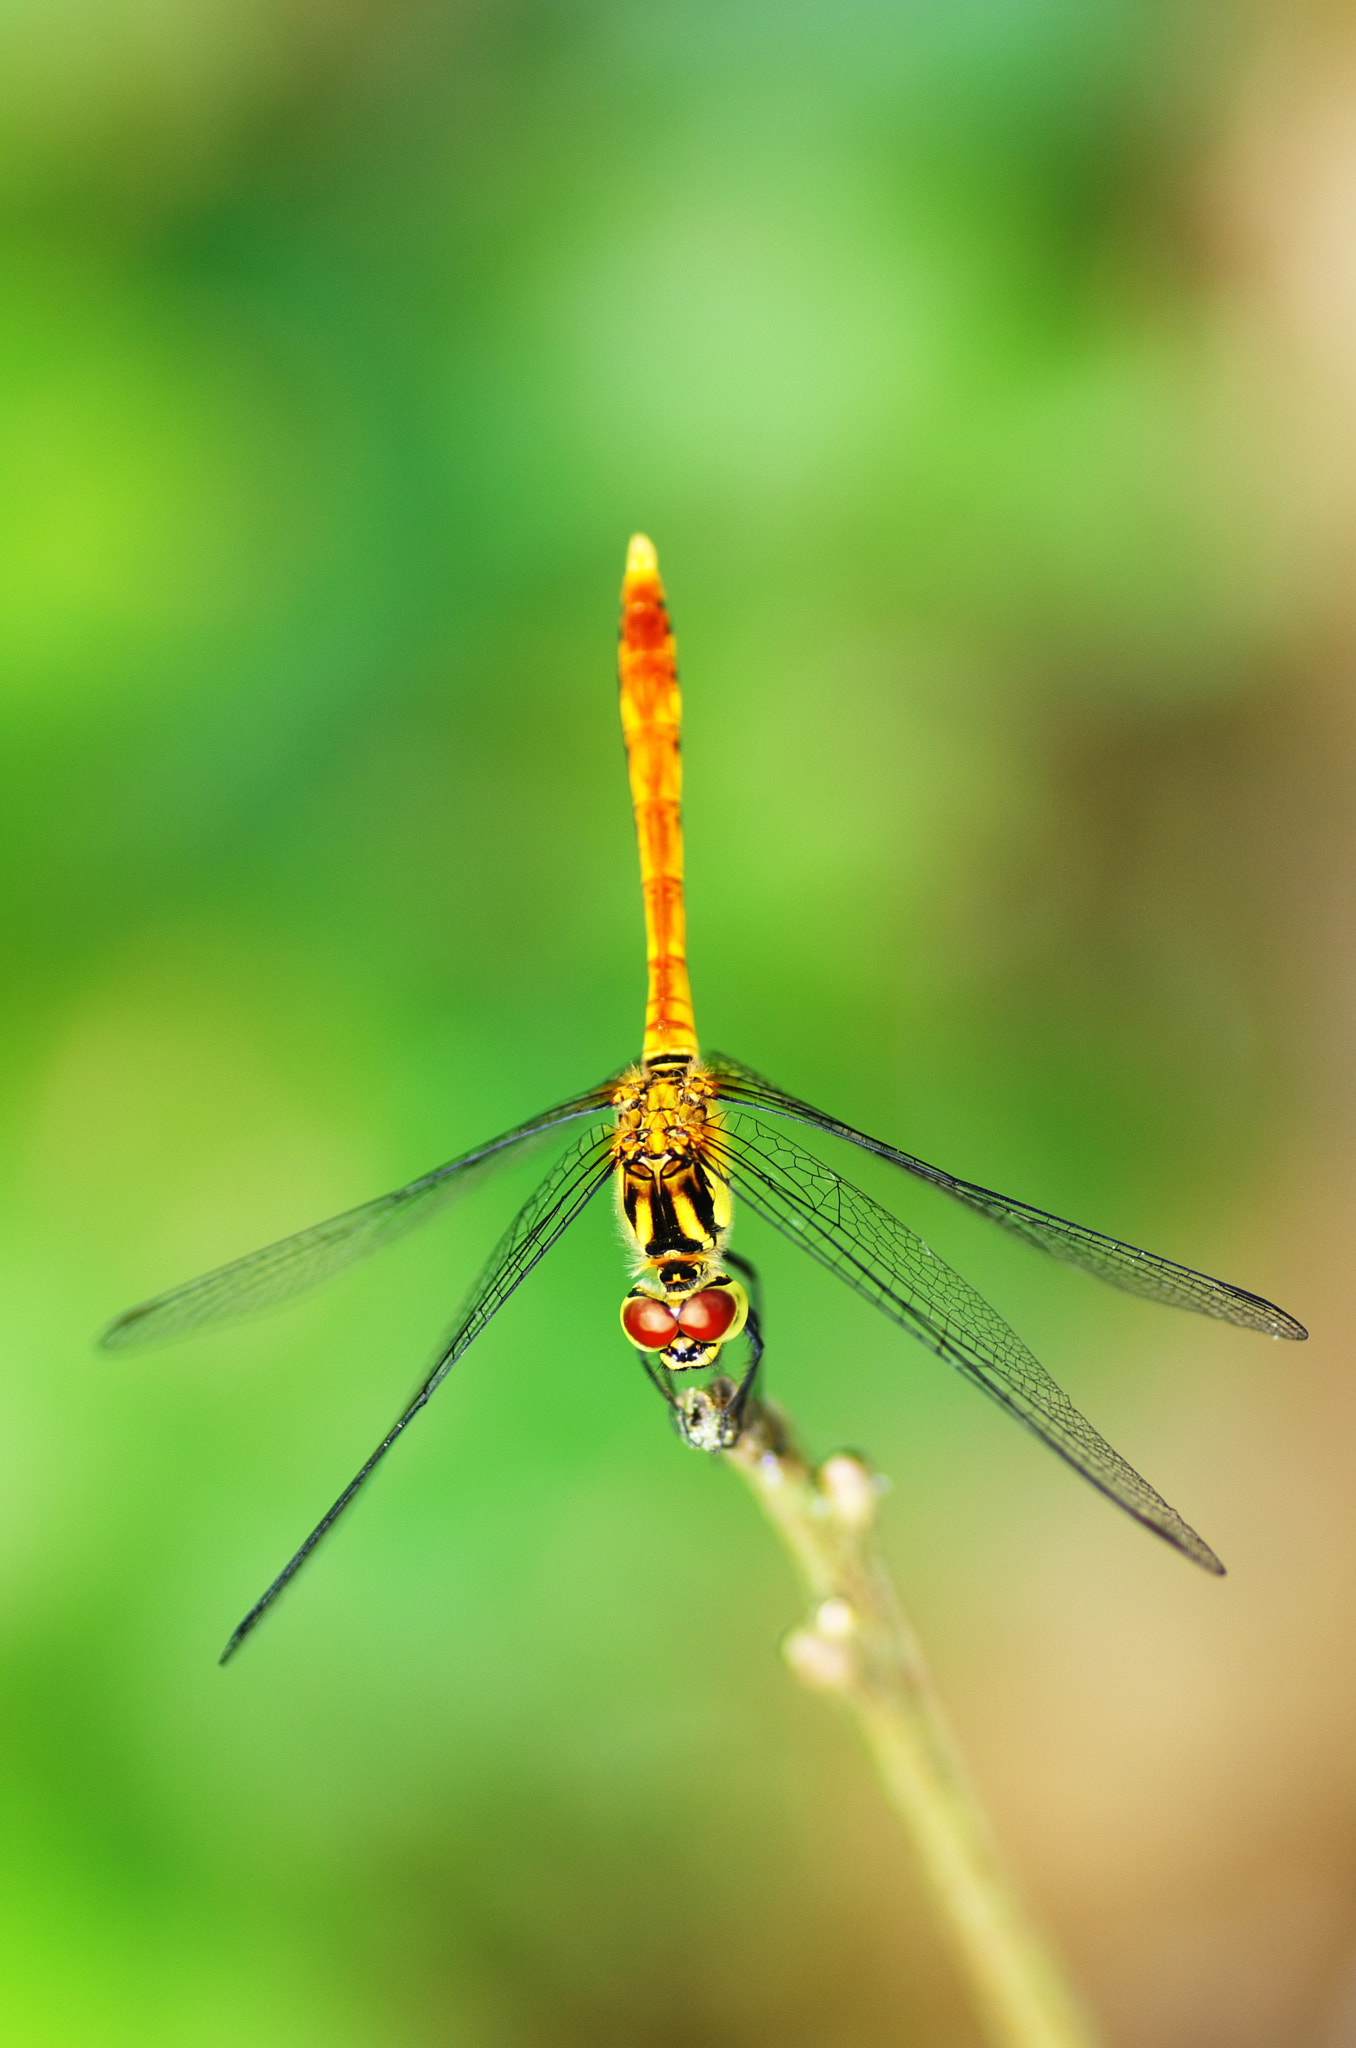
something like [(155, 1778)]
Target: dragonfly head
[(683, 1312)]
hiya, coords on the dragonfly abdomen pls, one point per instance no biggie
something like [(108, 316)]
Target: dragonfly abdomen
[(651, 710)]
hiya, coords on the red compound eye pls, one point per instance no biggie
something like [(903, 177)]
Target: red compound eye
[(649, 1323), (708, 1315)]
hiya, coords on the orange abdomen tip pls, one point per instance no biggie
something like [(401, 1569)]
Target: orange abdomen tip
[(651, 710)]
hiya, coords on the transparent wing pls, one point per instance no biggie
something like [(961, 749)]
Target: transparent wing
[(549, 1210), (891, 1267), (1106, 1258), (279, 1271)]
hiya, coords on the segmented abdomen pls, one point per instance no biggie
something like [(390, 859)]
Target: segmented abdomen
[(651, 709)]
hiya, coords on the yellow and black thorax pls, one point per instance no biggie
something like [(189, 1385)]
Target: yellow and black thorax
[(673, 1199)]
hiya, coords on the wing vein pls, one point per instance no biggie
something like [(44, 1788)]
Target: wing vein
[(278, 1272), (548, 1211), (890, 1266), (1122, 1265)]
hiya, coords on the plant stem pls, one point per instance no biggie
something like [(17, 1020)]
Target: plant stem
[(860, 1647)]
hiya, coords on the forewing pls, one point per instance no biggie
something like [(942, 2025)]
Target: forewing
[(891, 1267), (549, 1210), (279, 1271), (1106, 1258)]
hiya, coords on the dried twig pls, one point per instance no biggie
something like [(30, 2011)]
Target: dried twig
[(859, 1647)]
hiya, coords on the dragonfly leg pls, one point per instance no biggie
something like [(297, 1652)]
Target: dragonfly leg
[(749, 1272), (711, 1418), (733, 1426), (655, 1379)]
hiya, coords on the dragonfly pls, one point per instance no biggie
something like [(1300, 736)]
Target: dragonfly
[(679, 1136)]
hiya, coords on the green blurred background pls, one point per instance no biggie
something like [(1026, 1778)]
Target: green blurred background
[(985, 371)]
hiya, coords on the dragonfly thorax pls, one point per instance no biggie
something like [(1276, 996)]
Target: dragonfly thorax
[(673, 1199)]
